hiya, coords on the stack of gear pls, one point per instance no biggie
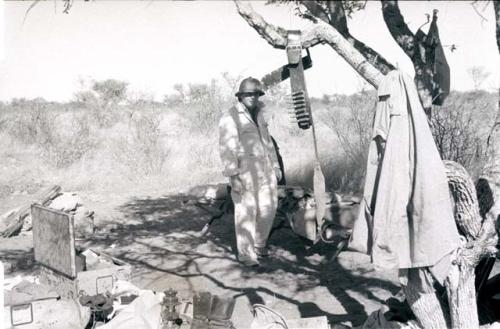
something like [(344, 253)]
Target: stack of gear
[(298, 206), (83, 218)]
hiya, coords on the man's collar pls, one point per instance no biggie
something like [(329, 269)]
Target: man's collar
[(243, 109)]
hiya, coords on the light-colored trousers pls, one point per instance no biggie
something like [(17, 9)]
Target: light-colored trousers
[(254, 212)]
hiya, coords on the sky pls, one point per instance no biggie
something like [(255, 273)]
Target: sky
[(156, 44)]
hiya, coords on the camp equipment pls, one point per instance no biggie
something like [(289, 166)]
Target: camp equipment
[(302, 109), (63, 267), (169, 314)]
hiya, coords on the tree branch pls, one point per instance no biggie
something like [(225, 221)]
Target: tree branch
[(416, 48), (339, 21), (322, 32), (274, 35), (317, 10), (338, 17), (398, 28), (496, 6)]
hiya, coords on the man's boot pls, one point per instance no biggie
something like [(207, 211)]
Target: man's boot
[(202, 305), (222, 310)]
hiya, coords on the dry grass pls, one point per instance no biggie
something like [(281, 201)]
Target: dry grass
[(173, 148)]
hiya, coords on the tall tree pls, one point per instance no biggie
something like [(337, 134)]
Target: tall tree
[(489, 182), (330, 27)]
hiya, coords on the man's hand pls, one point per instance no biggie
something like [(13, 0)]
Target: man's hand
[(236, 183), (277, 172)]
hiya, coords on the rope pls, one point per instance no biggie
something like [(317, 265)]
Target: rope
[(274, 312)]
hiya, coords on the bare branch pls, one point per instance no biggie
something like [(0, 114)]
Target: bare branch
[(275, 36), (338, 17), (339, 21), (67, 6), (29, 9), (320, 33), (496, 6), (317, 10), (398, 28), (484, 19)]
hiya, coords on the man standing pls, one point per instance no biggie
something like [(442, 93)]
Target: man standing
[(250, 162)]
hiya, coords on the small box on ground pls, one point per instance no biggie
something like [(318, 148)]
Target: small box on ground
[(70, 271), (29, 304), (26, 313)]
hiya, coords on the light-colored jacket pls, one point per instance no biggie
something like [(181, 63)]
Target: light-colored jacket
[(406, 217), (246, 149)]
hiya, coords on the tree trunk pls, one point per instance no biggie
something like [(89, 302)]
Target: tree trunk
[(489, 182), (417, 48), (480, 235), (462, 298)]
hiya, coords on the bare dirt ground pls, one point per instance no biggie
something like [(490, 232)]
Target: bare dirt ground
[(159, 235)]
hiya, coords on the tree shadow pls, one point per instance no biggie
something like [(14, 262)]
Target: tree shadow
[(161, 236)]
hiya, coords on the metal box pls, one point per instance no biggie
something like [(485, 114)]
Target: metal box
[(21, 315), (54, 248), (303, 223)]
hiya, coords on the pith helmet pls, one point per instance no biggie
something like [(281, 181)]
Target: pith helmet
[(250, 85)]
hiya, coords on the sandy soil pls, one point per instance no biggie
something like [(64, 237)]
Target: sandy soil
[(160, 236)]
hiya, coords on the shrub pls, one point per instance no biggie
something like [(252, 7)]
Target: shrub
[(102, 99), (351, 120), (143, 150), (32, 122), (460, 128), (70, 145), (204, 105)]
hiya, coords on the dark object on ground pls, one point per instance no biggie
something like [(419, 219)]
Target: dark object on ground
[(100, 305)]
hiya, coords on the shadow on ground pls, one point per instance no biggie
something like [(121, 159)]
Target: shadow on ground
[(161, 238)]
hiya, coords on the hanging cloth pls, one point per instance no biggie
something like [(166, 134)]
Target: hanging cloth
[(435, 61), (406, 217)]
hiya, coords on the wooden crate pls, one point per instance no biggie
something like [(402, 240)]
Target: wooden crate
[(54, 248), (90, 282)]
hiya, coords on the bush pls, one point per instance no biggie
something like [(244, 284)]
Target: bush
[(32, 122), (143, 150), (70, 145), (204, 104), (35, 123), (351, 120), (461, 126), (102, 99)]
